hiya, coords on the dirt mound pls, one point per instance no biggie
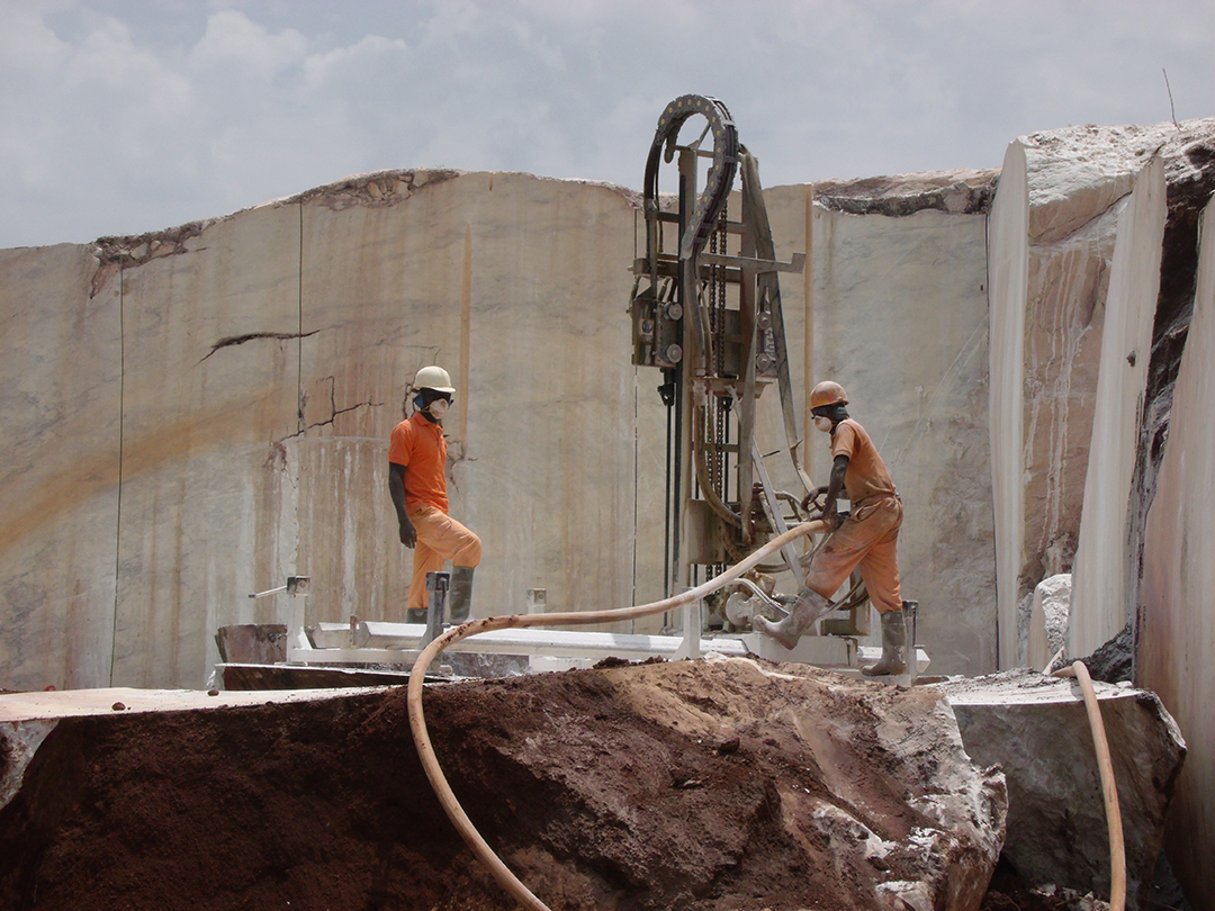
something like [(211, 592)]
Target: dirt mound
[(695, 785)]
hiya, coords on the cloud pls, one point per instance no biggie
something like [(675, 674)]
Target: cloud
[(356, 61), (232, 40), (122, 116), (26, 44)]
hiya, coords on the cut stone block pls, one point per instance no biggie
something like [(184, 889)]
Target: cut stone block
[(1105, 571), (1036, 729)]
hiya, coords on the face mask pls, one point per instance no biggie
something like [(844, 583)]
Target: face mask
[(438, 408), (822, 423)]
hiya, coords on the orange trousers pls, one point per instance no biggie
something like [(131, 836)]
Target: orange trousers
[(440, 538), (867, 541)]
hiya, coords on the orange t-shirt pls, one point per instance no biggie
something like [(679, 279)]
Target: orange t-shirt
[(418, 444), (867, 474)]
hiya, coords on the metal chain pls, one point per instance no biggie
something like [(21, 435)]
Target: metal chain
[(721, 414)]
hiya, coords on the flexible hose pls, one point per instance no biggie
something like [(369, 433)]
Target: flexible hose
[(417, 720), (1109, 788)]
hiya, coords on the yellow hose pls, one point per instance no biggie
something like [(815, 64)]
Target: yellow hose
[(1109, 788), (417, 720)]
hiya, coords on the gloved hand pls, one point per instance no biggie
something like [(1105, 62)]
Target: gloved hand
[(811, 500)]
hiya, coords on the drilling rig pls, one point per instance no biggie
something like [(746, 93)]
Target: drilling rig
[(706, 311)]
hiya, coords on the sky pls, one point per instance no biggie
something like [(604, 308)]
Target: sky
[(128, 116)]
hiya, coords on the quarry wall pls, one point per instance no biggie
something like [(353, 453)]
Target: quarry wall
[(1076, 242), (242, 376), (1101, 466), (899, 312), (1177, 621)]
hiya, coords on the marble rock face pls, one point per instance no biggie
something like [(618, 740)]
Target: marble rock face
[(1058, 217), (60, 353), (1176, 625), (1036, 728), (228, 426), (1103, 571), (900, 320), (200, 412)]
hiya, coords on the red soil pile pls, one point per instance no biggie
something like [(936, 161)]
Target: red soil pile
[(601, 789)]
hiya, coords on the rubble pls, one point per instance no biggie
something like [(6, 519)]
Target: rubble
[(961, 192), (1049, 610)]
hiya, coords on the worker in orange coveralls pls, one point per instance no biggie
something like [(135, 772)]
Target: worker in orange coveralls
[(866, 539), (417, 482)]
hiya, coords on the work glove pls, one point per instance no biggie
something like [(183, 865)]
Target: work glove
[(809, 499)]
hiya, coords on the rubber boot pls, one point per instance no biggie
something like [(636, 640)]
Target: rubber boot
[(807, 607), (415, 615), (459, 594), (894, 646)]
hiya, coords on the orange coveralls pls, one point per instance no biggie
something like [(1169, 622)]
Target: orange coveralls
[(419, 446), (868, 537)]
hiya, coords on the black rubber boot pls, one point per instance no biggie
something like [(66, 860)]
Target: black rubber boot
[(806, 608), (459, 595), (415, 615), (894, 647)]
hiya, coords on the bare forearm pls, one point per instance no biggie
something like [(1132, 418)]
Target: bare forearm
[(396, 489), (838, 471)]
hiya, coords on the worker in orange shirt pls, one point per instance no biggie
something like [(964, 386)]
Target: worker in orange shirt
[(866, 539), (417, 482)]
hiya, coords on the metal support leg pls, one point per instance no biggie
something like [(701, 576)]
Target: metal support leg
[(297, 633), (436, 601), (690, 647), (537, 600), (910, 611)]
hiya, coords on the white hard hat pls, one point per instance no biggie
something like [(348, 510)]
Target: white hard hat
[(435, 378)]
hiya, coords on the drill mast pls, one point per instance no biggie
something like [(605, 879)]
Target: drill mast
[(706, 311)]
